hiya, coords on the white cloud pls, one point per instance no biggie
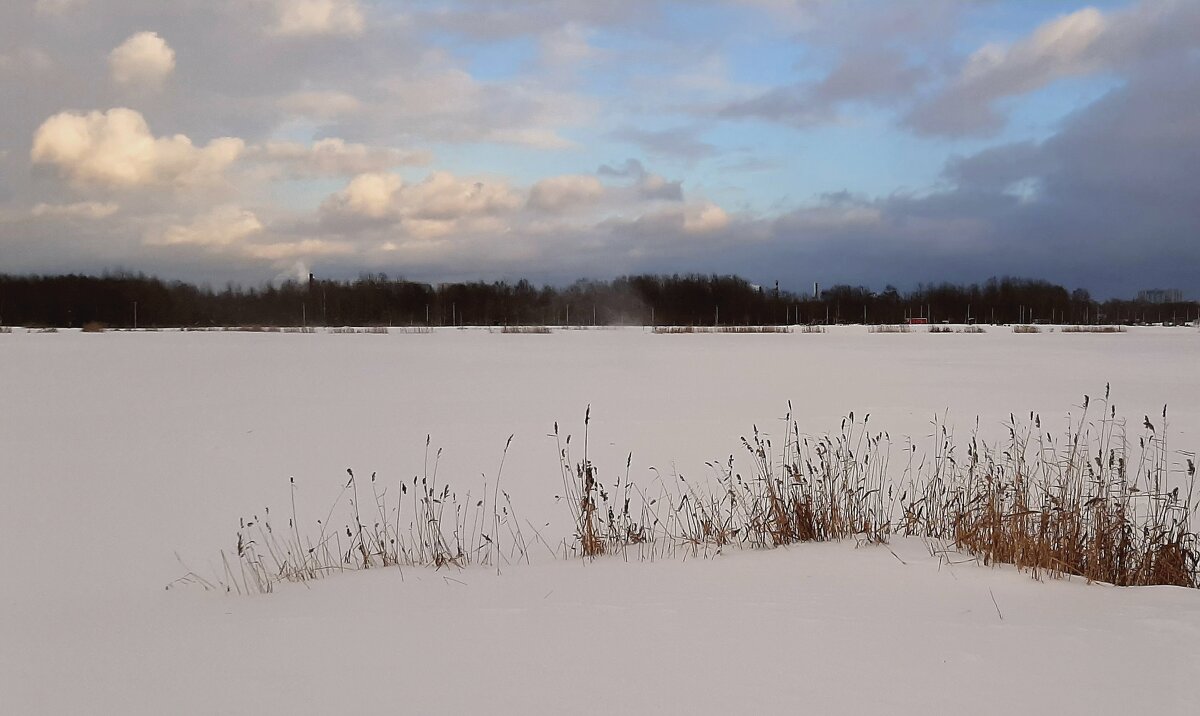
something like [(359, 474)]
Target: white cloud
[(1064, 46), (116, 149), (311, 18), (223, 226), (704, 218), (289, 250), (441, 197), (667, 224), (56, 7), (333, 157), (77, 210), (368, 195), (565, 192), (144, 59), (232, 230), (320, 105)]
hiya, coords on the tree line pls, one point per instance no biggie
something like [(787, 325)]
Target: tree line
[(693, 299)]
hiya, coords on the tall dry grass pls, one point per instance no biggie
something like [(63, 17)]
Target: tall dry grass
[(369, 330), (1082, 504), (422, 522), (1087, 503), (1093, 329), (677, 330), (1090, 502)]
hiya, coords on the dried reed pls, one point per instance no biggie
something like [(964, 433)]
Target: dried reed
[(1085, 503)]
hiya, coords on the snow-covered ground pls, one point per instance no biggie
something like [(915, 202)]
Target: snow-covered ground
[(119, 450)]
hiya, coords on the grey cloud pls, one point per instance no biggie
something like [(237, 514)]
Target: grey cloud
[(630, 168), (879, 54), (1113, 209), (678, 142), (1107, 203), (880, 77), (1085, 42), (501, 19), (996, 168), (655, 187), (648, 186)]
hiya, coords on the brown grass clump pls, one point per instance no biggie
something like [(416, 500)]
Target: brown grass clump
[(1086, 504), (1079, 507), (371, 330), (5, 329), (93, 327), (526, 330), (887, 328), (1094, 329), (676, 330), (1026, 329), (816, 490), (601, 527), (414, 523)]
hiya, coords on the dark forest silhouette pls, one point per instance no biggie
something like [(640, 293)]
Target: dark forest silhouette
[(371, 300)]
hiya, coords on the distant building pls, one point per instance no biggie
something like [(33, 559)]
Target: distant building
[(1161, 295)]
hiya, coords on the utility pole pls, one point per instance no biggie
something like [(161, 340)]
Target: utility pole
[(135, 315)]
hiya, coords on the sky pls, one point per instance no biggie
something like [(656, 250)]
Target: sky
[(866, 142)]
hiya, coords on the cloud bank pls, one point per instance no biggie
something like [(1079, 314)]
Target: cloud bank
[(854, 141)]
